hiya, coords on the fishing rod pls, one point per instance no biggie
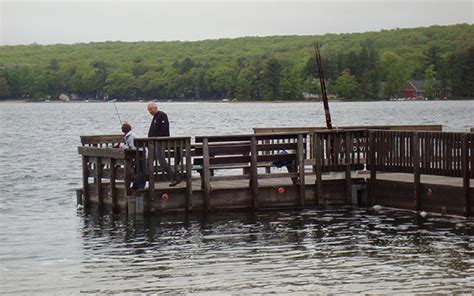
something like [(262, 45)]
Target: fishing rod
[(322, 82), (116, 110)]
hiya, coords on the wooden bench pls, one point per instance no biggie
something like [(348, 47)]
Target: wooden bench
[(248, 153)]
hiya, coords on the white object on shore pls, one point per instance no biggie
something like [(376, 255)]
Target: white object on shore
[(423, 214), (377, 207)]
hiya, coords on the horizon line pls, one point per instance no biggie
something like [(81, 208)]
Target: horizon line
[(235, 37)]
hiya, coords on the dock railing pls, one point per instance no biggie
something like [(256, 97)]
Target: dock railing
[(109, 172), (446, 154), (113, 170), (176, 152), (337, 151), (312, 129), (433, 153), (248, 153), (108, 167)]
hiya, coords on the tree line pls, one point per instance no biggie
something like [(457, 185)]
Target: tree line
[(369, 66)]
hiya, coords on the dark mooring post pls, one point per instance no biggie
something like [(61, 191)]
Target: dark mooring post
[(465, 174), (98, 175), (206, 174), (347, 156), (113, 189), (85, 181), (254, 171), (416, 169), (189, 184), (322, 82), (151, 169), (323, 87), (318, 154), (301, 175), (127, 175), (372, 166)]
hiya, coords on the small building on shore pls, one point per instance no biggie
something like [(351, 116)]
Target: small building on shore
[(414, 89)]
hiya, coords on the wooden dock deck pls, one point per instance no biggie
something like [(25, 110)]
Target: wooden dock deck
[(415, 168)]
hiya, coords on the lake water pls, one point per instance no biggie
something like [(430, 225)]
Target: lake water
[(47, 246)]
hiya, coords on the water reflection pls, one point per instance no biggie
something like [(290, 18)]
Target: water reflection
[(328, 251)]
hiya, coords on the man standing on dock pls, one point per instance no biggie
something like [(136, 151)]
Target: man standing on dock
[(160, 127)]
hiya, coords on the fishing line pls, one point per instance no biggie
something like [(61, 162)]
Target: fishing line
[(118, 114)]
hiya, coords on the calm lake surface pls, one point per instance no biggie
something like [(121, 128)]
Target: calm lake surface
[(47, 246)]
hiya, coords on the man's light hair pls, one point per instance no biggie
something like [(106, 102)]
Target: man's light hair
[(152, 104)]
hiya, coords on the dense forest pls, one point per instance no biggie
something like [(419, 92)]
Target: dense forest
[(368, 66)]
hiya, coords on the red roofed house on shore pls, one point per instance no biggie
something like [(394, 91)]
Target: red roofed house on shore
[(414, 89)]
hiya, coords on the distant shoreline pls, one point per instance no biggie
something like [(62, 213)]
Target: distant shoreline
[(13, 101), (223, 102)]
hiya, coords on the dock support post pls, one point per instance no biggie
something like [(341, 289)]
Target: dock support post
[(189, 183), (372, 166), (151, 170), (206, 174), (416, 169), (318, 154), (347, 156), (85, 181), (267, 169), (254, 171), (311, 149), (301, 176), (113, 189), (127, 175), (98, 175), (465, 173)]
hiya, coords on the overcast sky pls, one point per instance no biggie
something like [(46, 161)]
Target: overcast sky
[(49, 22)]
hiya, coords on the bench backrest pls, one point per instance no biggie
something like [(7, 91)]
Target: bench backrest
[(235, 150)]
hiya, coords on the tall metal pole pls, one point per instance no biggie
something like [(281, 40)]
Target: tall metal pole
[(323, 87)]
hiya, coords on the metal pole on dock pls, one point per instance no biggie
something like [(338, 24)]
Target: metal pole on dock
[(323, 87)]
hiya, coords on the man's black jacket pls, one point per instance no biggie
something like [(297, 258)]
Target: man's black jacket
[(159, 127)]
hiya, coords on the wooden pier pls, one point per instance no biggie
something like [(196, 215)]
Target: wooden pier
[(408, 167)]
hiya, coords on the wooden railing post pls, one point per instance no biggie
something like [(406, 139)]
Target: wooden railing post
[(206, 174), (254, 171), (465, 174), (151, 169), (318, 155), (347, 156), (301, 174), (113, 189), (127, 175), (98, 175), (311, 148), (85, 181), (189, 183), (416, 169), (267, 169), (372, 166)]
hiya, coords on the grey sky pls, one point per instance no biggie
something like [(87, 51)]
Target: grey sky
[(48, 22)]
